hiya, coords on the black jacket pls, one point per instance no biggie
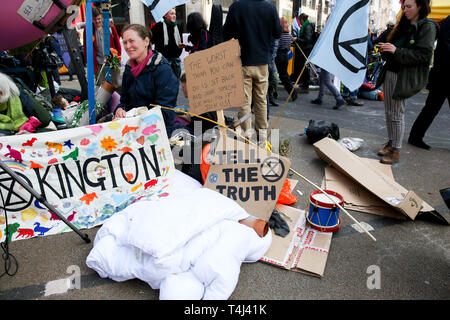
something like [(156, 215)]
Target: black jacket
[(254, 23)]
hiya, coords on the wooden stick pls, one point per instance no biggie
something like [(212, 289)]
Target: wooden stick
[(326, 194), (201, 117), (307, 60), (286, 102)]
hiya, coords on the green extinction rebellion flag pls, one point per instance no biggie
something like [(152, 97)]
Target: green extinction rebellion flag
[(86, 173)]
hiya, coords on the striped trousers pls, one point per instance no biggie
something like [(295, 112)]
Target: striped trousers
[(394, 110)]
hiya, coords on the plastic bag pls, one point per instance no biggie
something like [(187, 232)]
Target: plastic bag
[(351, 144), (286, 197)]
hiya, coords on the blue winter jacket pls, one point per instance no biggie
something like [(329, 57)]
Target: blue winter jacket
[(156, 84)]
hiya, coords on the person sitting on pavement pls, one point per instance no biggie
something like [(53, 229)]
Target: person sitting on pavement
[(13, 116), (148, 77)]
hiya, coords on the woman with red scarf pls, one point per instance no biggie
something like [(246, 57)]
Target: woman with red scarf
[(148, 77)]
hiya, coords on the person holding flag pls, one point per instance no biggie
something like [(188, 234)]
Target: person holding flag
[(408, 55)]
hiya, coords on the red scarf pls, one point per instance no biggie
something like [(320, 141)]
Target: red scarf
[(136, 69)]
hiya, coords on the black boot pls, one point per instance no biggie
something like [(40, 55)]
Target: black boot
[(272, 102)]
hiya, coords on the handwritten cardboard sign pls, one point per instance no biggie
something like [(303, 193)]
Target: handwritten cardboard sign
[(249, 175), (214, 78)]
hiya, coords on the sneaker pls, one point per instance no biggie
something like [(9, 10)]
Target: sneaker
[(316, 101), (339, 103)]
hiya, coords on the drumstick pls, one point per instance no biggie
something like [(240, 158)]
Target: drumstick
[(334, 201)]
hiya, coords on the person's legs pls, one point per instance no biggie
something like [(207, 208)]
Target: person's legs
[(260, 84), (246, 109), (272, 84), (435, 100), (282, 62), (322, 84), (395, 120)]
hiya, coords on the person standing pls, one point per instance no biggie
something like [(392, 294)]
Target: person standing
[(98, 46), (305, 40), (166, 35), (408, 54), (438, 89), (254, 23), (282, 59), (198, 33)]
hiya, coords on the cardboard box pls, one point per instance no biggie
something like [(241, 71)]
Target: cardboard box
[(377, 183), (356, 197)]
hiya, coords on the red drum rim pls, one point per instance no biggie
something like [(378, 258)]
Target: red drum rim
[(325, 204), (335, 228)]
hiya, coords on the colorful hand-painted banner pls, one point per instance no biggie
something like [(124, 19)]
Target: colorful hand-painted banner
[(86, 173)]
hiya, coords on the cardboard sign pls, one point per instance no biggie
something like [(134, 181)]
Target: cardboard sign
[(214, 78), (251, 176), (87, 173), (303, 250)]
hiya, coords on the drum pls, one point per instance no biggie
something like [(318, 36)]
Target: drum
[(23, 21), (323, 213)]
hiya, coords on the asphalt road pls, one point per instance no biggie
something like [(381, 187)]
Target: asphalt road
[(412, 257)]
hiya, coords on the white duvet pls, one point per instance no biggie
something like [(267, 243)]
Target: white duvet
[(188, 245)]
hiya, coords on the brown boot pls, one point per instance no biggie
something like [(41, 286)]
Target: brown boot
[(386, 149), (392, 157)]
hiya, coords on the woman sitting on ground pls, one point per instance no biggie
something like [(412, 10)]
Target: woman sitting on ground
[(19, 113), (148, 77)]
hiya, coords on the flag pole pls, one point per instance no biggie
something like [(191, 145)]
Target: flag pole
[(307, 60)]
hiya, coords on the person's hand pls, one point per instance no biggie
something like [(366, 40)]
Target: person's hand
[(120, 113), (294, 39), (181, 45), (387, 47)]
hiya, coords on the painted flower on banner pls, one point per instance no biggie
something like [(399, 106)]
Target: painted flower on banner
[(108, 144)]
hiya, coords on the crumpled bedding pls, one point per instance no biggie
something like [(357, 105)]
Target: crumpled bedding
[(188, 245)]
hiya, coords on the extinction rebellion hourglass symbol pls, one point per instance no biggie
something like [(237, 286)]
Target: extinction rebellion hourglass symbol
[(14, 201)]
